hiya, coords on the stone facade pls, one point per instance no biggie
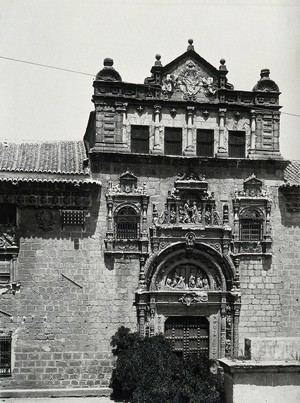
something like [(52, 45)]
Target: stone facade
[(180, 214)]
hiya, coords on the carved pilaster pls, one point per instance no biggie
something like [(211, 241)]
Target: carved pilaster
[(276, 130), (223, 327), (142, 282), (157, 149), (141, 313), (190, 149), (253, 132), (223, 148), (152, 316), (236, 321)]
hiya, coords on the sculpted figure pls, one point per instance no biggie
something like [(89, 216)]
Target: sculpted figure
[(194, 213), (199, 283), (172, 216), (192, 282), (181, 283), (187, 212), (205, 284), (207, 217), (181, 214), (168, 283)]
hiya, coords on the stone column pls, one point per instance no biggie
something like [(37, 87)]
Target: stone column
[(157, 149), (223, 148), (190, 149), (142, 282), (253, 132)]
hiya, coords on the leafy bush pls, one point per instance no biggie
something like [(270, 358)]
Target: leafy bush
[(148, 371)]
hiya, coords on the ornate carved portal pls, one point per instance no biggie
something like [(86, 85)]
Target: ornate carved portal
[(191, 298)]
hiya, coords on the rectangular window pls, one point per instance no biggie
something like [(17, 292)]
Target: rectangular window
[(236, 144), (5, 266), (173, 141), (250, 230), (7, 214), (140, 139), (127, 230), (205, 143), (5, 355)]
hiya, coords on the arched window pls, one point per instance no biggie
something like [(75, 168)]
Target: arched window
[(127, 223), (251, 225)]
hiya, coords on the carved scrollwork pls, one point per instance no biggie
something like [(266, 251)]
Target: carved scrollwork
[(194, 298)]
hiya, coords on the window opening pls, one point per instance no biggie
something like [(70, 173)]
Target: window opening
[(7, 214), (140, 139), (173, 141), (5, 355), (236, 144), (250, 230), (205, 143), (127, 224)]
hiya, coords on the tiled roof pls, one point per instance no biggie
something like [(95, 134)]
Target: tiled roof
[(292, 174), (60, 157)]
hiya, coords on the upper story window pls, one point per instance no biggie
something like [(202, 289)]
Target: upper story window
[(205, 143), (7, 214), (140, 139), (251, 225), (236, 144), (127, 223), (173, 141), (5, 355)]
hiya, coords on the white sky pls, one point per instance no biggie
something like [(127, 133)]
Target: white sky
[(37, 103)]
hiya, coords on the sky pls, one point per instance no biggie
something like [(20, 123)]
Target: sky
[(44, 104)]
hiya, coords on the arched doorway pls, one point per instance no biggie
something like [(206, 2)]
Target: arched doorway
[(189, 293)]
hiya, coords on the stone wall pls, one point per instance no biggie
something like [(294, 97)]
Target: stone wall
[(73, 300)]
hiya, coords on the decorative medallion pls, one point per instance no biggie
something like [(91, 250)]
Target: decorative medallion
[(193, 298), (46, 219)]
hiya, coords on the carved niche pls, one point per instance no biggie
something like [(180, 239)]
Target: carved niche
[(127, 205), (9, 250)]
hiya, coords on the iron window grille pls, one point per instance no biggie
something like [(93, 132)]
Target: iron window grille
[(140, 139), (5, 355), (127, 224), (173, 141), (205, 143), (236, 144), (250, 230)]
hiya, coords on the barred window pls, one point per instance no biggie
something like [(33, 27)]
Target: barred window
[(5, 355), (140, 139), (127, 224), (251, 230), (173, 141), (236, 144), (251, 225), (205, 143)]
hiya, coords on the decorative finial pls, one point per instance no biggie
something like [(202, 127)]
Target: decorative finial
[(157, 62), (190, 47), (265, 73), (108, 62), (223, 66)]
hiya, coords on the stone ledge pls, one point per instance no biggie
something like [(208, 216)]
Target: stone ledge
[(66, 392)]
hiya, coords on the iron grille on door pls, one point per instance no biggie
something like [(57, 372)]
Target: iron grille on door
[(5, 356), (189, 335), (140, 139), (127, 224), (173, 141), (205, 143), (236, 144)]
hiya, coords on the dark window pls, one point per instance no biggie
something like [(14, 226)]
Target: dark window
[(140, 139), (236, 144), (5, 355), (205, 143), (4, 271), (173, 141), (127, 224), (7, 214), (250, 230)]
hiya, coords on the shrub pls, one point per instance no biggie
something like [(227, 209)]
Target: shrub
[(148, 371)]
